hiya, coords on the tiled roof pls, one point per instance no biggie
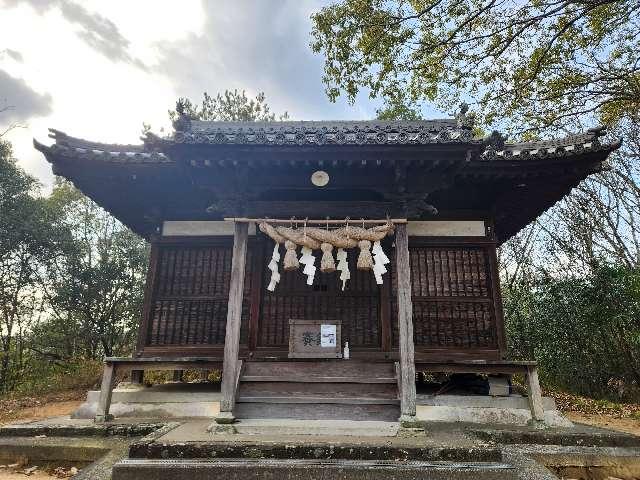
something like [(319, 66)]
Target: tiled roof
[(550, 149), (323, 133), (71, 147), (492, 149)]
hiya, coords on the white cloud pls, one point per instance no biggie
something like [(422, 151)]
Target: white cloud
[(108, 66), (19, 102), (257, 46), (93, 95)]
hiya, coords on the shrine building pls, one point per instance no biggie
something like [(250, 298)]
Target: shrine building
[(324, 263)]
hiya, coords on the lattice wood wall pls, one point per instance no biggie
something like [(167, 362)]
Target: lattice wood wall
[(357, 307), (189, 304), (452, 294)]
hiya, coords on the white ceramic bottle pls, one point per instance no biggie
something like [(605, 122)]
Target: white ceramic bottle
[(345, 355)]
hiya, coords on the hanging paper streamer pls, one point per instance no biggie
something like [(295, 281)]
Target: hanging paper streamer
[(380, 259), (273, 266), (343, 266), (307, 259)]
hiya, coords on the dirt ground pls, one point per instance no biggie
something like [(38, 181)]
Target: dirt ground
[(9, 475), (627, 425), (52, 409), (37, 407)]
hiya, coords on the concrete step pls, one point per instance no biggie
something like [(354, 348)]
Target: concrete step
[(318, 411), (296, 469), (347, 428), (308, 399)]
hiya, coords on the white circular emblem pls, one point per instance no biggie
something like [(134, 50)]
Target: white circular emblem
[(320, 178)]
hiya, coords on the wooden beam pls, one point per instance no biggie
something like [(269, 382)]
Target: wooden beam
[(337, 209), (257, 257), (405, 327), (494, 276), (353, 221), (234, 315)]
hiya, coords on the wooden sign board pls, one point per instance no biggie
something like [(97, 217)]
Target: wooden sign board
[(315, 338)]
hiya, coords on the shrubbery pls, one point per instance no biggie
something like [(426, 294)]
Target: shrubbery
[(584, 331)]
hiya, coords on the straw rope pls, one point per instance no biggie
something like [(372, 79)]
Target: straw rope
[(270, 231)]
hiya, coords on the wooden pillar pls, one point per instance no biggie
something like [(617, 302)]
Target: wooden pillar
[(234, 314), (149, 293), (405, 327)]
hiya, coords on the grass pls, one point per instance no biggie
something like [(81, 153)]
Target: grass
[(157, 377), (44, 378), (45, 383)]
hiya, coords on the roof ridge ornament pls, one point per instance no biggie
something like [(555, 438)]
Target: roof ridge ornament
[(183, 122), (493, 143), (495, 139), (598, 131), (464, 118)]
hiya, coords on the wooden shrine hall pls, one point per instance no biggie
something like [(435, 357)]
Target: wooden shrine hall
[(324, 263)]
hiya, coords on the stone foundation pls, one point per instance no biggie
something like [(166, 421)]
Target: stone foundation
[(484, 409), (172, 400)]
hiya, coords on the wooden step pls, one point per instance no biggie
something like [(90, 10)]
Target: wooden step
[(297, 389), (345, 371), (318, 390), (315, 379), (331, 368)]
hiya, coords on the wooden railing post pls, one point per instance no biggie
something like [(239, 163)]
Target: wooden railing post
[(106, 391), (234, 315), (405, 327), (535, 396)]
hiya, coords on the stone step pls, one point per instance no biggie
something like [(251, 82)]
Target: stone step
[(296, 469), (176, 445), (318, 411)]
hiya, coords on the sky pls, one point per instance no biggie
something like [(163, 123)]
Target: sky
[(98, 70)]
